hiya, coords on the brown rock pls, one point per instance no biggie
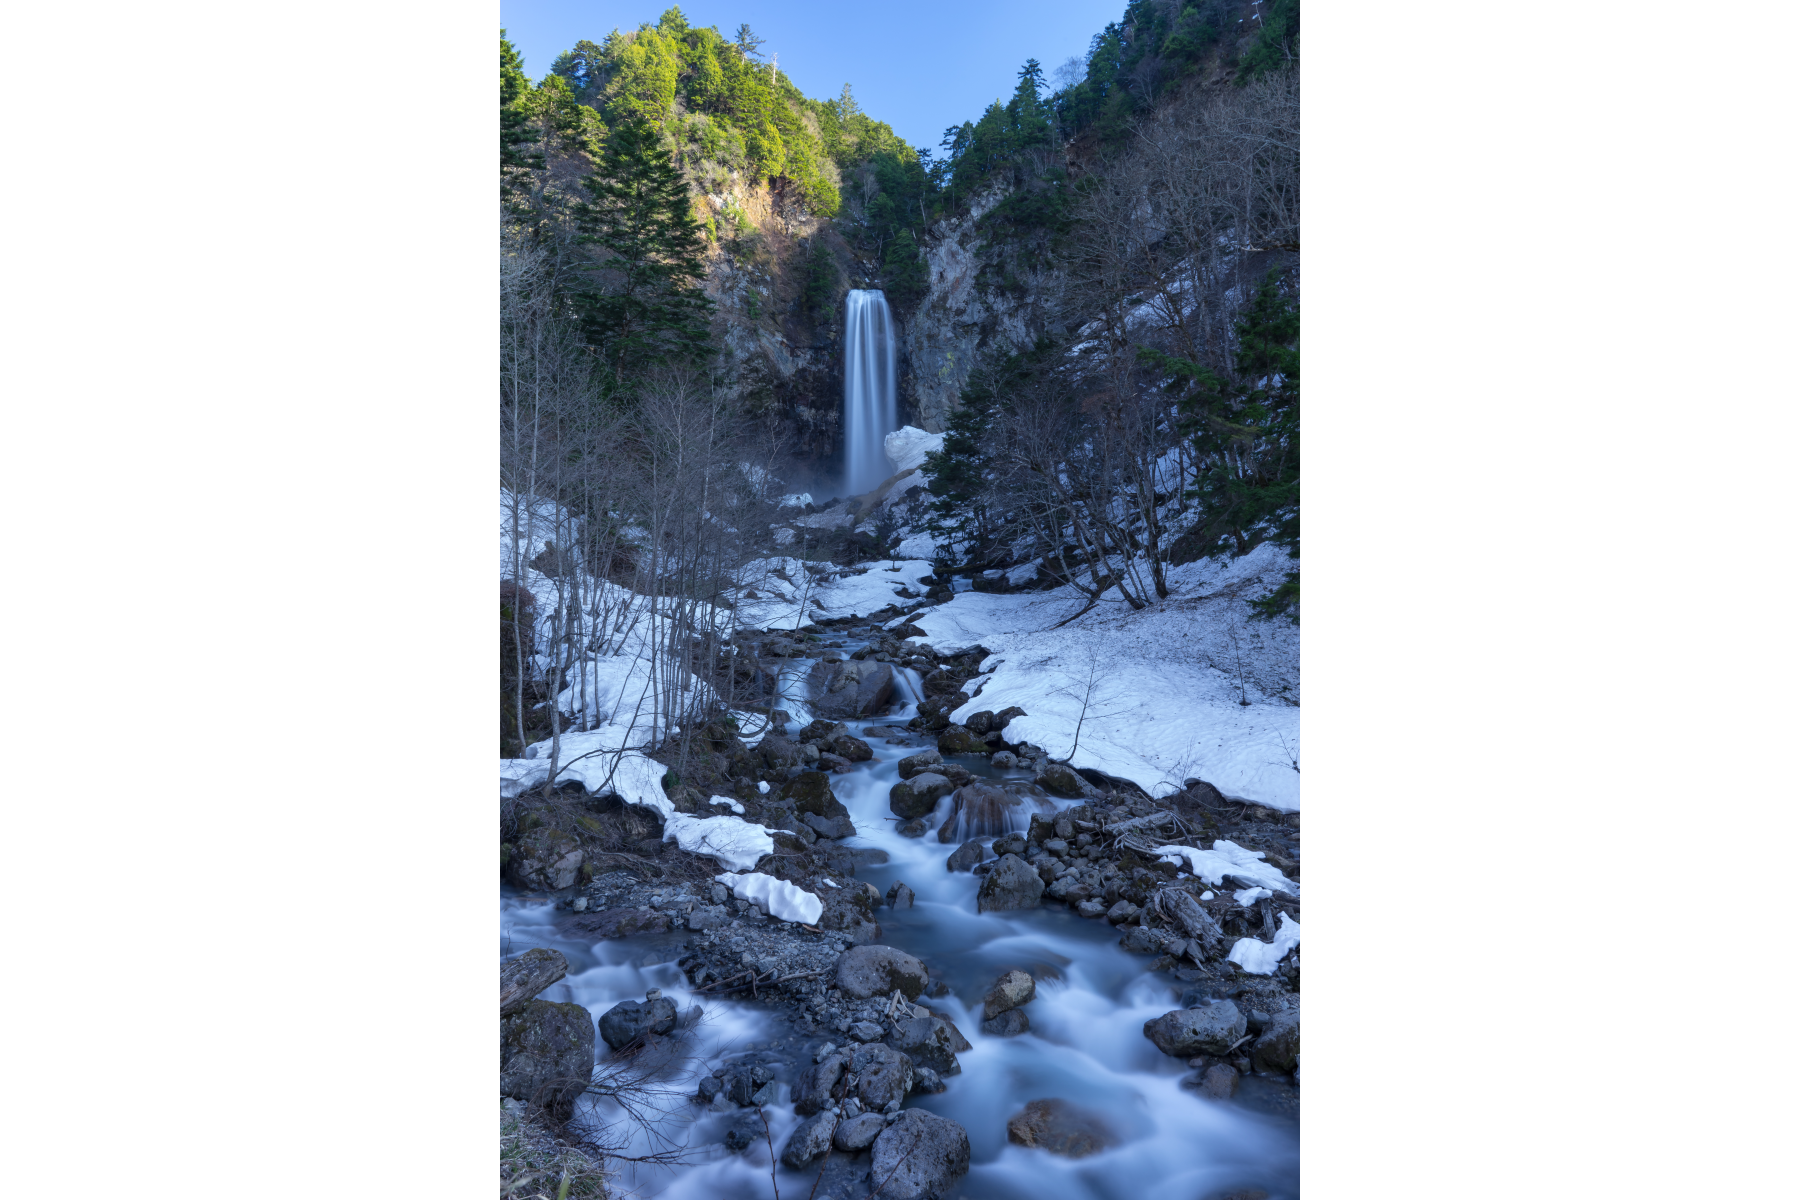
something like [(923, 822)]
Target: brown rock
[(1061, 1128)]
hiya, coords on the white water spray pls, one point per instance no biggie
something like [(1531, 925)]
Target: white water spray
[(869, 414)]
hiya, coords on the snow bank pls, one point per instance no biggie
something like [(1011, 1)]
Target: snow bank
[(780, 897), (780, 593), (634, 778), (1230, 858), (907, 447), (735, 842), (1261, 958)]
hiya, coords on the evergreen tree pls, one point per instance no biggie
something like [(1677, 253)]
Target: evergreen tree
[(639, 301), (1245, 430), (515, 132)]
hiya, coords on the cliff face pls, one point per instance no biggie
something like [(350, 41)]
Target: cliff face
[(961, 316)]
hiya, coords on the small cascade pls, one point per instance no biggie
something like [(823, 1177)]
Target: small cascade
[(869, 406)]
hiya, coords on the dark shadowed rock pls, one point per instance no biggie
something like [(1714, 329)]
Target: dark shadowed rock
[(1212, 1029), (852, 689), (546, 1053), (625, 1022), (965, 856), (921, 1156), (1010, 1023), (929, 1042), (865, 971), (858, 1133), (545, 860), (1010, 885), (811, 792), (900, 896), (1219, 1081), (1009, 991), (1061, 1128), (926, 1081), (810, 1139), (918, 764), (957, 739), (1060, 779), (852, 749), (614, 922), (1140, 940), (916, 797), (883, 1076), (745, 1131), (815, 1087), (981, 724), (1277, 1051), (830, 827)]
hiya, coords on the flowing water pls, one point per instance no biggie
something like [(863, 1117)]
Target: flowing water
[(1085, 1045), (869, 408)]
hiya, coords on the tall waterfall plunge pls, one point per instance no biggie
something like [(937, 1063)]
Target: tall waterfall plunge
[(869, 414)]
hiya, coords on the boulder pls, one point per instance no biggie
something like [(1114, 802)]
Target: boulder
[(981, 724), (1093, 910), (615, 923), (1010, 885), (1277, 1051), (866, 1031), (1009, 991), (858, 1133), (916, 797), (921, 1156), (965, 856), (866, 971), (957, 739), (852, 689), (1010, 1023), (1004, 760), (546, 1054), (1140, 940), (527, 975), (1060, 1128), (817, 1083), (810, 792), (629, 1020), (926, 1081), (916, 764), (1122, 912), (1219, 1081), (1004, 717), (824, 731), (1060, 779), (1186, 1032), (883, 1076), (709, 916), (545, 860), (900, 896), (930, 1042), (810, 1139), (854, 749), (988, 808), (912, 829), (830, 827), (1011, 843), (745, 1131)]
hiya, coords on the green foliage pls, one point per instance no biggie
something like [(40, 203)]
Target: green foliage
[(1245, 432), (955, 474), (903, 268), (639, 300), (1277, 45), (822, 279), (515, 132)]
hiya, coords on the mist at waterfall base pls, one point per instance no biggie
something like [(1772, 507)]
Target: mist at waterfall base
[(1085, 1045), (869, 406)]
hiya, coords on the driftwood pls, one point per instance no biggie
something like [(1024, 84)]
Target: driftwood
[(1180, 910), (527, 975)]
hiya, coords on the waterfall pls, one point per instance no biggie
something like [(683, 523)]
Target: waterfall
[(869, 414)]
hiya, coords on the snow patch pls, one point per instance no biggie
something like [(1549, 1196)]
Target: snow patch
[(1230, 858), (728, 802), (735, 842), (1261, 958), (907, 447), (781, 898)]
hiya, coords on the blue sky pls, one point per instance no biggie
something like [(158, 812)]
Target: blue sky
[(919, 66)]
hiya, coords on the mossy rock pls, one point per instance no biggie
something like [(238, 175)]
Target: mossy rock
[(811, 792)]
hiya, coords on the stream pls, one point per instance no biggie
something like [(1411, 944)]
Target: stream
[(1085, 1044)]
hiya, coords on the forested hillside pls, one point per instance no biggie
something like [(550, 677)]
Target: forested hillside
[(847, 765)]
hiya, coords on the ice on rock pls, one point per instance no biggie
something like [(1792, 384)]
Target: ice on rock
[(728, 802), (780, 897)]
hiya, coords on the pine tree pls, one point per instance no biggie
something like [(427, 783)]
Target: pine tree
[(515, 132), (640, 303)]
